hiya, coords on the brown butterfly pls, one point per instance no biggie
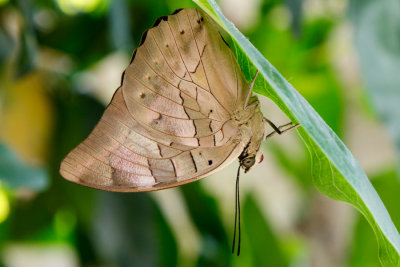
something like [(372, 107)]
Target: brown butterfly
[(184, 110)]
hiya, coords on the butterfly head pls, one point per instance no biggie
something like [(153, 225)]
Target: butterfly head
[(249, 161)]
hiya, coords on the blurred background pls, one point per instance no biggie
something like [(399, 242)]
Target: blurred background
[(60, 62)]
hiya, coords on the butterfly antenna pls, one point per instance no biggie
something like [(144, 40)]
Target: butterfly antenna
[(250, 90), (238, 202), (237, 216)]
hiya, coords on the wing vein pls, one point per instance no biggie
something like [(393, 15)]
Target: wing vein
[(142, 123), (162, 77), (101, 174), (198, 51), (165, 59), (148, 167), (219, 129), (134, 129), (205, 73), (179, 52), (133, 162), (194, 162), (134, 77), (169, 134), (166, 115), (173, 165), (132, 150)]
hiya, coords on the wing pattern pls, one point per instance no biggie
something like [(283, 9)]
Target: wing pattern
[(170, 121)]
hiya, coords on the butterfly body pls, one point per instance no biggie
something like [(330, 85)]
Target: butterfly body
[(253, 129), (180, 114)]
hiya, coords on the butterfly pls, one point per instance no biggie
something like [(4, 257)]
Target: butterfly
[(183, 111)]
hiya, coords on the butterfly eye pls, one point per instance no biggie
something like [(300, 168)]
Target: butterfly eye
[(262, 158), (248, 162)]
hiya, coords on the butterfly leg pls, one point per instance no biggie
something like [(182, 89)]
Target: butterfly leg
[(281, 129), (250, 90)]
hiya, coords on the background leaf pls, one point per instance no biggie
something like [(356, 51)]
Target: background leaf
[(17, 175), (123, 237), (377, 38), (336, 172), (260, 242), (215, 247)]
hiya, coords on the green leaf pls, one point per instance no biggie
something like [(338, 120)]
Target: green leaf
[(336, 172), (15, 174), (362, 252)]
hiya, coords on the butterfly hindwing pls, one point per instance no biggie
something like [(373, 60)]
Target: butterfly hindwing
[(117, 156), (170, 122)]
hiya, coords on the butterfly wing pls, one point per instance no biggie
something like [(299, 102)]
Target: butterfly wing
[(170, 122), (118, 156)]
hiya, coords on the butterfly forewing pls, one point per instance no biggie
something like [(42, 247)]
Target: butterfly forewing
[(170, 122)]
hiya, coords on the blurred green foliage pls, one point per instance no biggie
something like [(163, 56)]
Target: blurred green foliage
[(14, 173), (377, 38), (45, 45), (336, 173)]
